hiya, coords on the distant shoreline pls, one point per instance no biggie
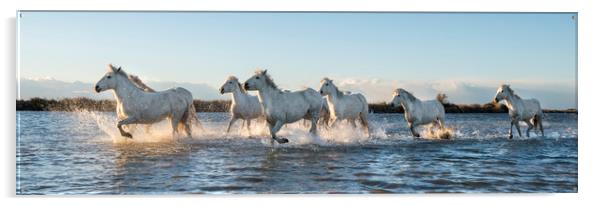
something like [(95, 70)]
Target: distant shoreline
[(82, 103)]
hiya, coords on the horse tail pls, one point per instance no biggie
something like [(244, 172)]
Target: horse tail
[(536, 121), (364, 113), (191, 116), (442, 98), (365, 106)]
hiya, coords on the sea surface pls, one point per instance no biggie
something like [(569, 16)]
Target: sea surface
[(82, 153)]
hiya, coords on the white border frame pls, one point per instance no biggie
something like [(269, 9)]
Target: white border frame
[(588, 82)]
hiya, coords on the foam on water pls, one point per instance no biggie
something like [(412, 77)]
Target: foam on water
[(297, 133), (433, 132)]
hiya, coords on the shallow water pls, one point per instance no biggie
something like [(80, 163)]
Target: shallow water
[(82, 153)]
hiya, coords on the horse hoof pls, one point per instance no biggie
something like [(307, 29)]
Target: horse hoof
[(282, 140)]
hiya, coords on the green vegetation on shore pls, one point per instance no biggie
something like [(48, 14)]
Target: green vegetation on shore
[(81, 103)]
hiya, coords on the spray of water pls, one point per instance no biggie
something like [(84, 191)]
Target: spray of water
[(435, 132), (297, 133)]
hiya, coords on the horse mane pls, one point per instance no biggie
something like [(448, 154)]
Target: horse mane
[(339, 92), (410, 95), (242, 89), (268, 79), (138, 82), (133, 78)]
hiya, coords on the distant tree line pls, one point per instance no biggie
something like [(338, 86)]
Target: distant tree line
[(82, 103), (67, 104)]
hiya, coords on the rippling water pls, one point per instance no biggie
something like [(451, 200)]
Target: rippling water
[(82, 153)]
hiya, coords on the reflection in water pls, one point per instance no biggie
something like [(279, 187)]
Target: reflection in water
[(148, 162), (55, 158)]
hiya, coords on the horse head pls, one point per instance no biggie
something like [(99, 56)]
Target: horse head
[(327, 87), (109, 80), (401, 95), (503, 92), (258, 81), (231, 85)]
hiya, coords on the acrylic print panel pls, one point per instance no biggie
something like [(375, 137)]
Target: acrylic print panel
[(296, 102)]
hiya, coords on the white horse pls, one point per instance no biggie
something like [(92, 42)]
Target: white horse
[(138, 82), (527, 110), (281, 107), (324, 119), (244, 106), (136, 106), (343, 106), (419, 112)]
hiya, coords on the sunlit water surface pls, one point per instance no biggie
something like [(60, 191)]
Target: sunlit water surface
[(82, 153)]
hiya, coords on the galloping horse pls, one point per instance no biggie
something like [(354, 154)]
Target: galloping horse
[(244, 106), (343, 106), (419, 112), (527, 110), (281, 107), (137, 106)]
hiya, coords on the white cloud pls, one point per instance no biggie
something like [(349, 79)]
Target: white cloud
[(557, 95)]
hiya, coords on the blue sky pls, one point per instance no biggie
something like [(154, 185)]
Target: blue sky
[(379, 51)]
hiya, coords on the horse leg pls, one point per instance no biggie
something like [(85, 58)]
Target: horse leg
[(514, 123), (530, 124), (120, 125), (520, 134), (267, 125), (352, 121), (275, 128), (314, 123), (242, 126), (364, 122), (413, 130), (187, 129), (510, 131), (174, 127), (539, 123), (434, 126), (249, 126), (333, 122), (232, 120), (323, 123)]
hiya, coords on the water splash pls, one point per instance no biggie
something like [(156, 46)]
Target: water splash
[(383, 131), (297, 133), (435, 132), (107, 123)]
